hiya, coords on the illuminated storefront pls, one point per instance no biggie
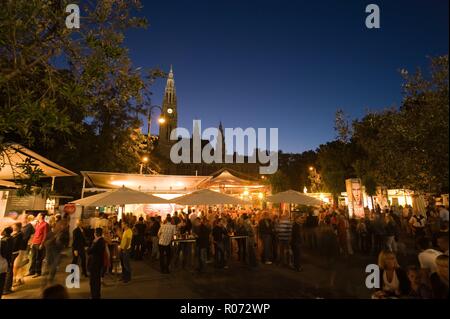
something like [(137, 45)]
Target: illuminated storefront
[(172, 186), (395, 197)]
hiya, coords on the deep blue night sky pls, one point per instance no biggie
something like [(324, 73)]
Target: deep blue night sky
[(286, 64)]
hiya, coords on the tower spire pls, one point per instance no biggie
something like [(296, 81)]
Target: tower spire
[(221, 140), (169, 108)]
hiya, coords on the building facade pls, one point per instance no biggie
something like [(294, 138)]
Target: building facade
[(164, 145)]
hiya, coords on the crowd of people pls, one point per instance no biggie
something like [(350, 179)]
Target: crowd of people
[(104, 244), (27, 244)]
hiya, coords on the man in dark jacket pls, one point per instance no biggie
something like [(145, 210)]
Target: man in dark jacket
[(96, 255), (310, 227), (17, 246), (296, 240), (202, 243), (140, 239), (219, 233), (78, 247), (6, 246), (153, 232), (266, 232)]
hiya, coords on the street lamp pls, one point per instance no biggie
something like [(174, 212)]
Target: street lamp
[(311, 168), (144, 160), (161, 119)]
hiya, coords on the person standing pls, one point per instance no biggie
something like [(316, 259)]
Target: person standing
[(165, 234), (378, 231), (363, 235), (153, 232), (21, 245), (17, 248), (27, 230), (390, 233), (219, 234), (296, 240), (37, 246), (184, 248), (140, 239), (202, 243), (79, 244), (418, 223), (284, 232), (6, 247), (96, 255), (53, 248), (329, 247), (241, 242), (311, 224), (125, 250), (266, 231), (251, 242)]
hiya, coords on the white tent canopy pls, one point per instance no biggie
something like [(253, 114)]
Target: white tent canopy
[(208, 197), (15, 154), (294, 197), (176, 184), (121, 196)]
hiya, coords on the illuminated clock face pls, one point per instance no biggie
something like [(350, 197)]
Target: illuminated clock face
[(169, 110)]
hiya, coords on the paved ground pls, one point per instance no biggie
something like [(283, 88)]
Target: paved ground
[(239, 281), (345, 278)]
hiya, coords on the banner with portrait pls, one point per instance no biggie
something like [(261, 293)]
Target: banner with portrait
[(355, 197), (382, 196)]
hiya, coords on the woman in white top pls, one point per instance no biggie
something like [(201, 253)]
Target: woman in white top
[(393, 280)]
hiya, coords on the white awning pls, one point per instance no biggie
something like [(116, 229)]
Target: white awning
[(16, 154), (121, 196), (144, 183)]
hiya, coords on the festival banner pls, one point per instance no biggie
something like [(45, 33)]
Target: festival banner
[(382, 196), (355, 197)]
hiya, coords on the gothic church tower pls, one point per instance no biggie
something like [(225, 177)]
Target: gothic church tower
[(170, 111)]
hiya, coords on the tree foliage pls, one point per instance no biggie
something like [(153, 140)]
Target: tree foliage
[(295, 168), (73, 95), (278, 182), (404, 147), (335, 161), (408, 147)]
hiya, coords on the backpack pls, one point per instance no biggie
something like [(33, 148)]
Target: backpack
[(3, 262)]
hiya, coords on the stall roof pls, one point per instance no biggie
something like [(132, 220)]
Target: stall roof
[(15, 154), (231, 179), (144, 183), (8, 184)]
